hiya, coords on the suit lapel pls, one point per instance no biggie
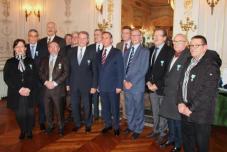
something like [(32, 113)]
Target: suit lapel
[(84, 56), (109, 56)]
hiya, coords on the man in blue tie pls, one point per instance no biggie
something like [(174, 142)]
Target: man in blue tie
[(34, 51), (111, 71), (136, 65)]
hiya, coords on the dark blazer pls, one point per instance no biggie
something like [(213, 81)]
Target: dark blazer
[(112, 72), (60, 73), (138, 69), (39, 54), (169, 107), (120, 46), (93, 47), (44, 46), (156, 72), (202, 89), (16, 80), (83, 76)]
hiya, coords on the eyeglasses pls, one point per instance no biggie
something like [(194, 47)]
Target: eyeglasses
[(179, 42), (195, 46)]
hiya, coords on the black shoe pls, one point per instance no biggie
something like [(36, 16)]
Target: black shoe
[(75, 129), (135, 136), (29, 136), (176, 149), (88, 129), (22, 135), (49, 130), (106, 129), (61, 131), (153, 135), (42, 127), (116, 132), (127, 131), (161, 139), (166, 144)]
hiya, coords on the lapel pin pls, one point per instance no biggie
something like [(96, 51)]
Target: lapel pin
[(193, 77), (162, 62)]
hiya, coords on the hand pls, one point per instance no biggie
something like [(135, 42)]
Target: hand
[(49, 84), (118, 90), (181, 108), (93, 91), (67, 88), (127, 84), (153, 87), (148, 84), (187, 112), (24, 91)]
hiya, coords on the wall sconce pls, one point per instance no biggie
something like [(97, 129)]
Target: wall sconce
[(212, 4), (172, 3), (188, 25), (104, 25), (29, 11), (99, 5)]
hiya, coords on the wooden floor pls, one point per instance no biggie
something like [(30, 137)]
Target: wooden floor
[(82, 142)]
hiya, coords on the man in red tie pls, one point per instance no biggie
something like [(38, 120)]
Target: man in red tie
[(111, 70)]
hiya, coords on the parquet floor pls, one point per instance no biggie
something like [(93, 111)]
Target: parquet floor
[(82, 142)]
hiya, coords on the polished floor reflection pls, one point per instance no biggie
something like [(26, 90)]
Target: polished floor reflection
[(82, 142)]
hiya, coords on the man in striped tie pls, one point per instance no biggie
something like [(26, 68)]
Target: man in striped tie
[(136, 65), (111, 71)]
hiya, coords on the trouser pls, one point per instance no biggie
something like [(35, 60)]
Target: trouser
[(195, 136), (110, 109), (95, 100), (175, 134), (25, 115), (135, 111), (160, 123)]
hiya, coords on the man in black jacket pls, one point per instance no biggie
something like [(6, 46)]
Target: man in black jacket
[(160, 57), (197, 95)]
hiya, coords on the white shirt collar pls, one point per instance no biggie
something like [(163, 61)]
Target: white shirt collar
[(99, 45), (83, 50), (50, 37), (108, 49)]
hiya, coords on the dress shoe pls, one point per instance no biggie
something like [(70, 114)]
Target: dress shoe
[(88, 129), (42, 127), (135, 136), (161, 139), (75, 129), (153, 135), (29, 135), (22, 135), (106, 129), (116, 132), (61, 131), (175, 149), (127, 131), (49, 130), (166, 144)]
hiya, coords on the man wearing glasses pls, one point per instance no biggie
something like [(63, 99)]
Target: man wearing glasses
[(197, 94), (169, 108)]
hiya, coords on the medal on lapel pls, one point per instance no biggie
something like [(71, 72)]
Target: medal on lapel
[(193, 77), (162, 62), (178, 67), (59, 66)]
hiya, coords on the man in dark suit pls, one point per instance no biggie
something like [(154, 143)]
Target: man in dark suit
[(169, 108), (51, 36), (34, 52), (111, 71), (160, 57), (197, 95), (136, 65), (124, 46), (82, 81), (97, 47), (53, 73)]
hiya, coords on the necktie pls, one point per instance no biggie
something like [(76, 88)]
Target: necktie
[(104, 56), (130, 59), (33, 51), (80, 56), (51, 67), (48, 40), (126, 47), (98, 49), (154, 56)]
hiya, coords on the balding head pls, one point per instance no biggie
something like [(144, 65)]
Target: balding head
[(51, 28), (180, 42)]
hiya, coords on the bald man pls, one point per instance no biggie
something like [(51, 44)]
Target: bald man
[(51, 29)]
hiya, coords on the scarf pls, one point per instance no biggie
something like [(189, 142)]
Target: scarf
[(21, 65)]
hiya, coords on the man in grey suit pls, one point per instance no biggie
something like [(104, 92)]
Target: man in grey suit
[(136, 64), (124, 46), (168, 107)]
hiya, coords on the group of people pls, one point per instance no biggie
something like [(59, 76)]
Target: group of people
[(182, 82)]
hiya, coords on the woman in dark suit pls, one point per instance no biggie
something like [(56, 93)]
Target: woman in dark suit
[(20, 75)]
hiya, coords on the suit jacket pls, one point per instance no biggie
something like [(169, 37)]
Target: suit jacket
[(111, 72), (202, 88), (120, 46), (59, 75), (83, 76), (169, 107), (16, 80), (38, 54), (138, 68), (44, 46), (156, 73)]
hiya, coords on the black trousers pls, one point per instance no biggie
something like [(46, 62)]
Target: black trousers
[(195, 136), (25, 115)]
